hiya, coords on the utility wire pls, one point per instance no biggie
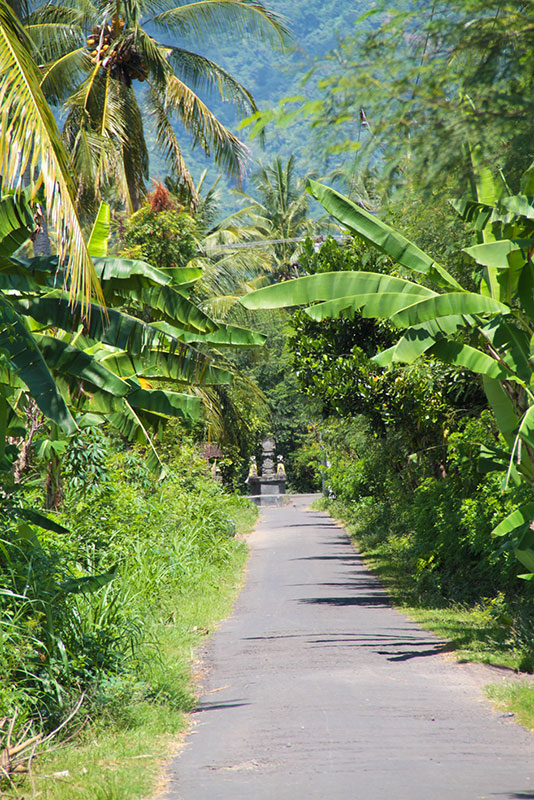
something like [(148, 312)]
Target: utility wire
[(269, 242)]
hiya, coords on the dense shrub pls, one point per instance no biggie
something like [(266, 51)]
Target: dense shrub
[(435, 530), (79, 609)]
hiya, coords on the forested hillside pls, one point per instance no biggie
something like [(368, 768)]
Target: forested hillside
[(271, 76)]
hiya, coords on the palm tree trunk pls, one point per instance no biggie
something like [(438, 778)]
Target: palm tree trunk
[(41, 242)]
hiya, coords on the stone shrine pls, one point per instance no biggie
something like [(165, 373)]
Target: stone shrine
[(272, 480)]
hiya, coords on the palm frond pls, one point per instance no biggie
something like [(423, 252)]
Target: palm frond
[(134, 149), (60, 78), (86, 147), (168, 142), (53, 39), (105, 134), (202, 74), (53, 13), (28, 129), (22, 8), (230, 153), (75, 12), (211, 19), (155, 56)]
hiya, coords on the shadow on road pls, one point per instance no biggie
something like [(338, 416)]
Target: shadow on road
[(395, 646), (218, 706), (516, 795), (361, 600), (347, 557)]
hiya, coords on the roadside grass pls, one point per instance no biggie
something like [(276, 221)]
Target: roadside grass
[(120, 753), (474, 633), (516, 698)]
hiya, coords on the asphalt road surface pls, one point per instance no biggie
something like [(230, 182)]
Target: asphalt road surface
[(316, 689)]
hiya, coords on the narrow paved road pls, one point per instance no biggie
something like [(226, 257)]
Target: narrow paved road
[(315, 689)]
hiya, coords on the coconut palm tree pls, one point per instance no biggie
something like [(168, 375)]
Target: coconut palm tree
[(97, 55), (281, 212), (30, 143)]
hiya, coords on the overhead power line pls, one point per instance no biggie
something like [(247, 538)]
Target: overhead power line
[(269, 242)]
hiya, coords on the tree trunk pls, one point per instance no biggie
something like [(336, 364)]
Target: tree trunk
[(34, 422), (54, 484), (41, 241)]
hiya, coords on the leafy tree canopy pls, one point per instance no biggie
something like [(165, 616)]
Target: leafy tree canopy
[(418, 82)]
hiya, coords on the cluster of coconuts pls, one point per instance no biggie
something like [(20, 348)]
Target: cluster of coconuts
[(121, 57)]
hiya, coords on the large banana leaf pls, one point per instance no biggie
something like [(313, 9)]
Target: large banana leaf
[(185, 277), (474, 212), (114, 268), (371, 305), (504, 261), (462, 355), (189, 368), (22, 353), (512, 343), (129, 423), (35, 518), (69, 360), (17, 280), (16, 223), (526, 428), (39, 267), (224, 335), (120, 330), (167, 404), (131, 279), (87, 584), (516, 523), (501, 254), (503, 408), (525, 289), (520, 205), (97, 245), (375, 232), (329, 286), (446, 305), (172, 305), (418, 339)]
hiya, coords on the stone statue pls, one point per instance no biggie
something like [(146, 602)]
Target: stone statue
[(253, 469)]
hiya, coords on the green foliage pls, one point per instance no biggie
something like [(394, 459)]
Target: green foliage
[(496, 323), (333, 360), (288, 414), (164, 238), (79, 609), (434, 530), (412, 84), (46, 651)]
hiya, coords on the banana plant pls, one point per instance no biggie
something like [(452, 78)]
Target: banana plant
[(490, 332), (110, 363)]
